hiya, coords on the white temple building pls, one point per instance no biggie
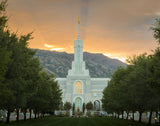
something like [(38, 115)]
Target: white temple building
[(78, 87)]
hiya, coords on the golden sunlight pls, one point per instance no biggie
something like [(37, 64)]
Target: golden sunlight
[(49, 46), (52, 48), (57, 49), (123, 59)]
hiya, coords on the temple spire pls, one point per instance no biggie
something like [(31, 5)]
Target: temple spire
[(78, 65), (78, 28)]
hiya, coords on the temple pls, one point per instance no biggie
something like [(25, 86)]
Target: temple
[(78, 87)]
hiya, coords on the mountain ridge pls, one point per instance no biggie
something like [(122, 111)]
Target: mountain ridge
[(60, 62)]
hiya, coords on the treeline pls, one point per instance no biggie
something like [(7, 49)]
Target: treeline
[(23, 84), (136, 87)]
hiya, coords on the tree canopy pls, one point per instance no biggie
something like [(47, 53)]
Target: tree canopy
[(67, 106), (136, 87), (23, 83), (89, 106)]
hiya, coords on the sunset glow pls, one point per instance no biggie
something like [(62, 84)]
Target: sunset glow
[(49, 46), (52, 48), (56, 49), (123, 59), (117, 29)]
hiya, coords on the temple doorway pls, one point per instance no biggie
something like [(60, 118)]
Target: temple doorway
[(97, 105), (78, 104)]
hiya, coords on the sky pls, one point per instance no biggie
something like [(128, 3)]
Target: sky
[(117, 28)]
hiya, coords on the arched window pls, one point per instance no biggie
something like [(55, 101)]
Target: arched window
[(97, 105), (78, 87)]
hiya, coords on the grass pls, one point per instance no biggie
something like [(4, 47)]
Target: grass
[(69, 121)]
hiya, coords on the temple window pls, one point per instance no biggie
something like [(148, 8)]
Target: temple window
[(78, 87)]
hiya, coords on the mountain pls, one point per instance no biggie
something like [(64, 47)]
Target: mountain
[(60, 62)]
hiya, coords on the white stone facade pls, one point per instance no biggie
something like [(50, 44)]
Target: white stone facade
[(78, 87)]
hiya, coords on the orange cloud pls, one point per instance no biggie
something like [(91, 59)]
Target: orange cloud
[(52, 48), (49, 46), (57, 49), (115, 28)]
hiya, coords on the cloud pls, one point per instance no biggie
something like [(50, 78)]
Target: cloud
[(49, 46), (52, 48), (157, 13), (57, 49), (107, 26)]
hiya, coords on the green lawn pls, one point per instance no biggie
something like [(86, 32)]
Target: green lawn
[(64, 121)]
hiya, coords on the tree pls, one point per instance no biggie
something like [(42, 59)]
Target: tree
[(114, 96), (6, 40), (67, 106), (156, 30), (154, 71), (56, 93), (155, 60), (84, 107), (4, 62), (31, 79), (22, 82), (73, 108), (18, 73), (89, 106), (140, 90), (41, 98), (128, 88), (4, 53)]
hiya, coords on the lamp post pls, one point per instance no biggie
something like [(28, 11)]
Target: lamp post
[(2, 118), (159, 117), (155, 119)]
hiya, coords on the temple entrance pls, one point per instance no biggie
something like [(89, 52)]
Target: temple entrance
[(97, 105), (78, 104)]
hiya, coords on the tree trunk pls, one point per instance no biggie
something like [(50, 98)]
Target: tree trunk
[(35, 114), (156, 113), (150, 118), (38, 114), (122, 114), (127, 116), (30, 115), (17, 118), (133, 116), (140, 117), (8, 115), (25, 111), (118, 114)]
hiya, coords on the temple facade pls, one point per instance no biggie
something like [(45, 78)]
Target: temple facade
[(78, 87)]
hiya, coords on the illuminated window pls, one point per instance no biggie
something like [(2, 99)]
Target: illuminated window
[(78, 87)]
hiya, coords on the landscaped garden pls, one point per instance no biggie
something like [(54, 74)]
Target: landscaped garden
[(72, 121)]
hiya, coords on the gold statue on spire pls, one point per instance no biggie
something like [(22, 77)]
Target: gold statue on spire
[(78, 20)]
